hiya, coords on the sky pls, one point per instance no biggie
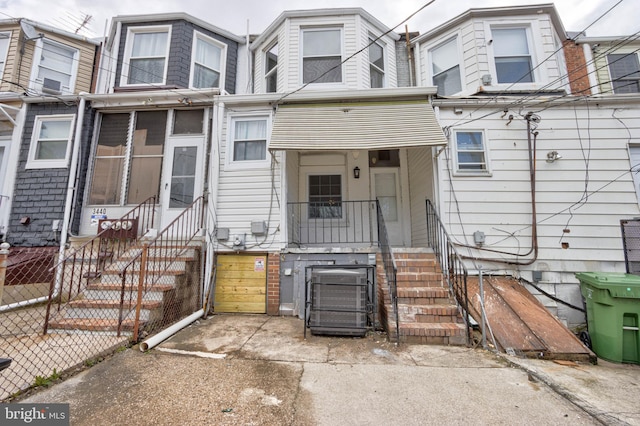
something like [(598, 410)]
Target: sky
[(236, 16)]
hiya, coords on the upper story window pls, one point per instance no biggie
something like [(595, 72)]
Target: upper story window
[(208, 60), (445, 67), (376, 64), (146, 53), (271, 69), (248, 141), (512, 55), (55, 66), (5, 39), (625, 72), (50, 142), (322, 55), (471, 152)]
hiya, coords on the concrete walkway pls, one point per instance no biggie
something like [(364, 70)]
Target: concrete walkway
[(259, 370)]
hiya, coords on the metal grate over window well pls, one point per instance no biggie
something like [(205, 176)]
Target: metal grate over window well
[(631, 244)]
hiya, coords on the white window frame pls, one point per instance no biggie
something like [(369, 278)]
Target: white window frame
[(439, 44), (485, 151), (197, 35), (128, 50), (37, 55), (340, 83), (383, 70), (32, 161), (4, 49), (534, 53), (613, 89), (230, 164), (268, 74)]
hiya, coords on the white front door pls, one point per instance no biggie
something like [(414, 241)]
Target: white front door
[(181, 176), (385, 187)]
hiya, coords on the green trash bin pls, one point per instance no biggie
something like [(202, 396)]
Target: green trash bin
[(613, 308)]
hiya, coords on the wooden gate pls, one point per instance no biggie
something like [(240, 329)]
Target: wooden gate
[(241, 284)]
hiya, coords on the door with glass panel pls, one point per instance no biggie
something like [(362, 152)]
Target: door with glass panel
[(385, 187)]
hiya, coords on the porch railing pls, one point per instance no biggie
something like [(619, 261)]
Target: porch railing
[(450, 261), (335, 223), (156, 265), (390, 268), (72, 274)]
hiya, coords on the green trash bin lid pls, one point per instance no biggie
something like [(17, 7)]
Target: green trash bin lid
[(618, 284)]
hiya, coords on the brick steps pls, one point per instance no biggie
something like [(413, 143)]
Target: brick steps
[(426, 310)]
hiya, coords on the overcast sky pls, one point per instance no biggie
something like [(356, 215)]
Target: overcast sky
[(234, 15)]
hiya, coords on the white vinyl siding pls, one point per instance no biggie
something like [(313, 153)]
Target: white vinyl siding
[(421, 176)]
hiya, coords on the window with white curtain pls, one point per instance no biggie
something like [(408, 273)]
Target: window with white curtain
[(146, 52), (248, 141), (445, 67), (207, 62), (512, 55)]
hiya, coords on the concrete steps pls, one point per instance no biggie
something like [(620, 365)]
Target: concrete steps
[(427, 312)]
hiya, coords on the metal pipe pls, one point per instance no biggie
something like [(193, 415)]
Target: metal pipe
[(77, 142)]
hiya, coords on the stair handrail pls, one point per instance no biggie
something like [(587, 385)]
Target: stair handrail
[(181, 232), (451, 263), (142, 216), (390, 267)]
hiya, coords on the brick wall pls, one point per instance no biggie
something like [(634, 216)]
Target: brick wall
[(273, 284), (577, 68)]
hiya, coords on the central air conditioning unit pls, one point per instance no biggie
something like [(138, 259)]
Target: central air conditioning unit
[(53, 87), (338, 302)]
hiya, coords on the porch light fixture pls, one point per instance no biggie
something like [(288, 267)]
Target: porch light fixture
[(356, 172)]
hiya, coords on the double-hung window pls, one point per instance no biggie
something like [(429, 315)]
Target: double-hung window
[(50, 142), (322, 55), (248, 142), (5, 39), (55, 67), (146, 52), (207, 62), (471, 152), (271, 69), (625, 72), (445, 67), (376, 64), (512, 55)]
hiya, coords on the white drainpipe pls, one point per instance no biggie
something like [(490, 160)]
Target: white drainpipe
[(168, 332), (67, 211)]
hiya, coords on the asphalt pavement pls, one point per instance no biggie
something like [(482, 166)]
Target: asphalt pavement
[(260, 370)]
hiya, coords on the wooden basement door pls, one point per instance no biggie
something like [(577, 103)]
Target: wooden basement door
[(241, 284)]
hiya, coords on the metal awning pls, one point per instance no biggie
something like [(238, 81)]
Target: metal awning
[(354, 126)]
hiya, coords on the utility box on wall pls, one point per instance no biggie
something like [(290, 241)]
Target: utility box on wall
[(258, 227)]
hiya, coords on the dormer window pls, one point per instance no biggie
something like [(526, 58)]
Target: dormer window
[(271, 69), (625, 72), (208, 60), (146, 53), (512, 55), (321, 55), (5, 38), (55, 67)]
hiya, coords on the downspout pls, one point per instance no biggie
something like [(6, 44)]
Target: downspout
[(409, 55), (67, 211)]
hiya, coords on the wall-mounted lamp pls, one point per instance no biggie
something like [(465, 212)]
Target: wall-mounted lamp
[(553, 156), (356, 172)]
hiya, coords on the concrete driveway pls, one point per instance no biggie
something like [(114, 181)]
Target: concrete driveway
[(259, 370)]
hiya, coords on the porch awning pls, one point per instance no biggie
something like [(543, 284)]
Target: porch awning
[(354, 126)]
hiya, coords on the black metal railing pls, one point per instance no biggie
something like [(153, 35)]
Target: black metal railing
[(390, 268), (153, 267), (451, 263), (72, 274), (335, 223)]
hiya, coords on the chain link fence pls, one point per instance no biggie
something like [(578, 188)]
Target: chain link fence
[(58, 312)]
